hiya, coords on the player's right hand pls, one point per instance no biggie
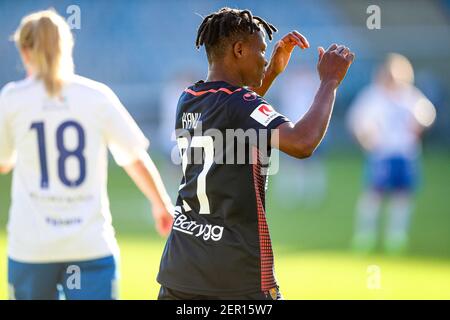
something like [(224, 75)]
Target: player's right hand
[(334, 63), (283, 49)]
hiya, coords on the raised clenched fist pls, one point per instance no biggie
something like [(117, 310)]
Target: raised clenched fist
[(334, 63)]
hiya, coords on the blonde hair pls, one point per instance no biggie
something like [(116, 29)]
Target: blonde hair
[(48, 40)]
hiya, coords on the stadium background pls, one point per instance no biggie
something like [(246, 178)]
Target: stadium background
[(139, 48)]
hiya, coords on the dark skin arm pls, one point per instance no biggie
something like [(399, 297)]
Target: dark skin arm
[(280, 58), (302, 138)]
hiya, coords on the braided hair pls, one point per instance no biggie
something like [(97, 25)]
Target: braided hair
[(218, 28)]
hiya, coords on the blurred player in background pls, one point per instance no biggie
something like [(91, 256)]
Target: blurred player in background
[(388, 118), (55, 129), (220, 247)]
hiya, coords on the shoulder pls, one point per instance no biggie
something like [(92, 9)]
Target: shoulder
[(92, 88), (415, 92), (245, 95), (414, 98), (246, 101), (16, 93), (249, 106), (13, 88)]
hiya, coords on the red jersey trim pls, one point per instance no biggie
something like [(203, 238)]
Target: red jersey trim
[(200, 93), (265, 244)]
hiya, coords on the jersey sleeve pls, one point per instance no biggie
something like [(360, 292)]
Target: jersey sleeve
[(423, 110), (7, 149), (248, 111), (124, 138)]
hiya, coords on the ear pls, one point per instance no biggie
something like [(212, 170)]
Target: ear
[(238, 49)]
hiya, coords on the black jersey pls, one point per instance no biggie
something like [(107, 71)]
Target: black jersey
[(220, 242)]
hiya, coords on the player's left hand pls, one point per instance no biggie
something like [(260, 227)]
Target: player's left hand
[(163, 216), (283, 49)]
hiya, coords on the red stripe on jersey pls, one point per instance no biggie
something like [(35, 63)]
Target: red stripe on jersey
[(199, 93), (265, 244)]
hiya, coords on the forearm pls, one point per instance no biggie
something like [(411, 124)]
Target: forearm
[(147, 178), (302, 138), (280, 59), (313, 125)]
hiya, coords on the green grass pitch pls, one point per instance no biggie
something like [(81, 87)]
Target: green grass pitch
[(312, 258)]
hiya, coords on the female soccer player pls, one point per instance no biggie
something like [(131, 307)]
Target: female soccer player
[(388, 118), (55, 130)]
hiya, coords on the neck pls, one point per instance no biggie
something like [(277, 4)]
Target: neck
[(222, 72), (29, 70)]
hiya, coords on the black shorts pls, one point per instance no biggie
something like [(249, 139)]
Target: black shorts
[(170, 294)]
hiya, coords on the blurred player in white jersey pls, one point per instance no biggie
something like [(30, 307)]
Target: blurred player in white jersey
[(55, 130), (388, 118)]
